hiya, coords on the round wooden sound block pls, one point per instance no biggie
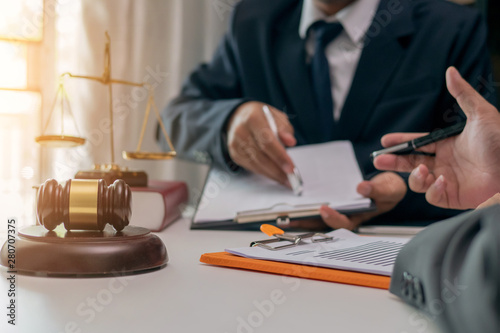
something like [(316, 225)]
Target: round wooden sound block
[(85, 253)]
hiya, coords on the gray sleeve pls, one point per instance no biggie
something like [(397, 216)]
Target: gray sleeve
[(196, 119), (477, 308), (451, 270)]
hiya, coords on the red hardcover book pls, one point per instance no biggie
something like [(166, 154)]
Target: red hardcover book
[(156, 206)]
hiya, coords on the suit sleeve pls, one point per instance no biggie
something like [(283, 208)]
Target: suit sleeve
[(451, 271), (196, 119)]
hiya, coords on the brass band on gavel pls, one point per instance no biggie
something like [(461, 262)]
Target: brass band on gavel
[(84, 204)]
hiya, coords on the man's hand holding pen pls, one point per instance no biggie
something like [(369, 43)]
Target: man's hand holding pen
[(465, 171), (253, 145)]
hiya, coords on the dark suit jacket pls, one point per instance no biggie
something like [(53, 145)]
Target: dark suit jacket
[(398, 86), (451, 270)]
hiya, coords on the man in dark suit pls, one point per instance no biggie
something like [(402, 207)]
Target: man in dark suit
[(451, 270), (385, 63)]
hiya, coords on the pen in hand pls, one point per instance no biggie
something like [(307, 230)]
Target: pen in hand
[(411, 146), (294, 178)]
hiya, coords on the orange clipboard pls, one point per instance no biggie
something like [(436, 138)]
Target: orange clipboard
[(309, 272)]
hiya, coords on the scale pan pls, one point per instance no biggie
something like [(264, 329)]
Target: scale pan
[(139, 155), (59, 141)]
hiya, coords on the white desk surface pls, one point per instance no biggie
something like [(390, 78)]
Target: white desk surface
[(188, 296)]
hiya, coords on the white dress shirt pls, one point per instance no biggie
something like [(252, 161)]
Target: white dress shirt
[(343, 53)]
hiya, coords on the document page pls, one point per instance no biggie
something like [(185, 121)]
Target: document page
[(347, 251), (330, 173)]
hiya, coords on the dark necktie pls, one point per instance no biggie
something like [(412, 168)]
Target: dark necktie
[(324, 33)]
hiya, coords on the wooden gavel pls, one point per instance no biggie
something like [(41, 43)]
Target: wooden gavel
[(84, 204)]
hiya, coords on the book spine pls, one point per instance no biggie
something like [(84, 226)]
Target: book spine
[(175, 200), (174, 196)]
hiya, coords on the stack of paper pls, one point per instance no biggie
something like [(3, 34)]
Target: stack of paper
[(347, 251)]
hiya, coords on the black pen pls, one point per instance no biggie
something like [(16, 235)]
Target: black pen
[(410, 146)]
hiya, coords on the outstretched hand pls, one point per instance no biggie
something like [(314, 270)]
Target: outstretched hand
[(466, 168)]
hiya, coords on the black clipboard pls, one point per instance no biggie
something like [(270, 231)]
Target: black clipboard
[(280, 216)]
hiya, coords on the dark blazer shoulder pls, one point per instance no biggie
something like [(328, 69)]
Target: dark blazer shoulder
[(443, 12)]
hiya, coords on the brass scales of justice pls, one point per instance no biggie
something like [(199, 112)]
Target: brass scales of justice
[(84, 229), (108, 172)]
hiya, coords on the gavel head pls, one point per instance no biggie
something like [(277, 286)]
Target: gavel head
[(84, 204)]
